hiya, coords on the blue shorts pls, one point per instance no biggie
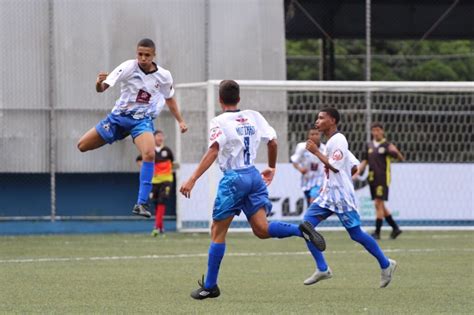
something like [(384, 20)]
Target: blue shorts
[(313, 192), (117, 127), (349, 219), (241, 190)]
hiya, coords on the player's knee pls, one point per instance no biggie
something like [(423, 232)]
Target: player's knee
[(356, 234), (148, 155), (260, 232)]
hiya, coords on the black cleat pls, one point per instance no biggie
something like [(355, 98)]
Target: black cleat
[(310, 235), (375, 235), (141, 210), (203, 293), (395, 233)]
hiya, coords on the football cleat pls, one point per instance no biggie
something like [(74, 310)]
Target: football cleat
[(141, 210), (310, 235), (395, 233), (202, 293), (387, 273), (318, 276)]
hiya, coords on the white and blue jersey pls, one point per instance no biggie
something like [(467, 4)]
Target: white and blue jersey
[(239, 134), (338, 193), (142, 95), (314, 176)]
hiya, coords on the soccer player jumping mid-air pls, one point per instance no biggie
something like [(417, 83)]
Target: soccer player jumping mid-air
[(145, 88)]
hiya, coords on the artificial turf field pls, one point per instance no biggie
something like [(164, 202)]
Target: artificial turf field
[(132, 273)]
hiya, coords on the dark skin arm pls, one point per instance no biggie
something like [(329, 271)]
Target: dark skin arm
[(313, 148)]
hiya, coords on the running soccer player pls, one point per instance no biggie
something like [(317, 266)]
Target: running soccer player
[(378, 156), (338, 197), (234, 138), (310, 167), (145, 88)]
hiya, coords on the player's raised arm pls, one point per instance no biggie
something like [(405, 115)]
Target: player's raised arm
[(313, 148), (100, 86)]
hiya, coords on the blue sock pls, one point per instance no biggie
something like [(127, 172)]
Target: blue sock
[(216, 253), (146, 174), (278, 229), (317, 255), (370, 244)]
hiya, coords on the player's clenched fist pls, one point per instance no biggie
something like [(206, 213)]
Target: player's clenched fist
[(311, 146), (102, 76)]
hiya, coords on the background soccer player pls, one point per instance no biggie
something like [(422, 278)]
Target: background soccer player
[(234, 138), (310, 167), (338, 197), (377, 155), (145, 88), (162, 180)]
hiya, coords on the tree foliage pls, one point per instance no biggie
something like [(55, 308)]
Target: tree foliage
[(393, 60)]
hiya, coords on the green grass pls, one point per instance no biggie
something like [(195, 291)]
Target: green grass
[(435, 275)]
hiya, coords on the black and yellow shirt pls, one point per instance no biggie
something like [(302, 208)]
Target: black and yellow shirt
[(379, 158)]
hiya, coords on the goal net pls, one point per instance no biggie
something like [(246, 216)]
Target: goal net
[(431, 122)]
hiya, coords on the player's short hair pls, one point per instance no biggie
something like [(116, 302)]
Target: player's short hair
[(331, 111), (146, 42), (376, 125), (157, 131), (229, 92)]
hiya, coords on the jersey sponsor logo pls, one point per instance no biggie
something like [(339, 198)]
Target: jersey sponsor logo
[(215, 133), (143, 97), (241, 119), (337, 155)]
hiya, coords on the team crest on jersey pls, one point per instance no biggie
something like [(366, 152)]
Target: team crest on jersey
[(337, 155), (164, 153), (241, 119), (215, 133), (381, 150), (157, 85), (371, 150), (143, 97)]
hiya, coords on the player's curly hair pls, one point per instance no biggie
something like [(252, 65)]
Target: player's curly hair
[(334, 113)]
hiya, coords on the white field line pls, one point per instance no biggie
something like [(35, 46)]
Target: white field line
[(175, 256)]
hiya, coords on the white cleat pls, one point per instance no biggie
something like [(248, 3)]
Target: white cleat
[(318, 276), (387, 273)]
